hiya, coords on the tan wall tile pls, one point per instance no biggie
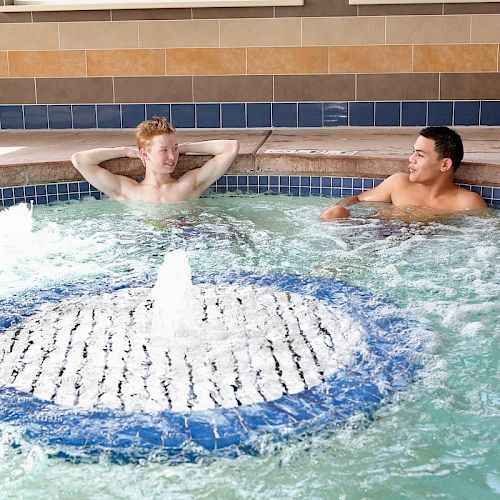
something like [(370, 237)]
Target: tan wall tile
[(191, 33), (29, 36), (411, 86), (126, 62), (17, 91), (458, 58), (154, 89), (47, 63), (287, 60), (470, 86), (485, 29), (4, 64), (99, 35), (428, 29), (206, 61), (343, 31), (260, 32), (74, 90), (314, 88), (371, 59), (251, 88)]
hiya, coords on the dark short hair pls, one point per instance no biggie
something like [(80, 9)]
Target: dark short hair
[(447, 143)]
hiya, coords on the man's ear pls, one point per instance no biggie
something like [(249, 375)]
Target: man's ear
[(447, 165), (143, 154)]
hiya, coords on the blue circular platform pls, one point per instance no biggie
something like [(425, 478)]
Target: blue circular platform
[(395, 346)]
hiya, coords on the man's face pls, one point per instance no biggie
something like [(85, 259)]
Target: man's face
[(162, 154), (425, 165)]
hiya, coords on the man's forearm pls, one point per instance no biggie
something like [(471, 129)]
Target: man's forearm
[(215, 147), (350, 200), (97, 156)]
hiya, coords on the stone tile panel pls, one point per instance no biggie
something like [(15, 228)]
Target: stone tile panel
[(229, 61), (126, 62), (287, 60), (233, 88), (74, 90), (390, 87), (42, 63), (153, 89)]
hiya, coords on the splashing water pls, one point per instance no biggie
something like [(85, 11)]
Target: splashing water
[(173, 308)]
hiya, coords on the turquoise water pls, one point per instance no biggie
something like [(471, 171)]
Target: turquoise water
[(439, 438)]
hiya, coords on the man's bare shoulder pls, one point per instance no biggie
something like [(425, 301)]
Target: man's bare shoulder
[(468, 200)]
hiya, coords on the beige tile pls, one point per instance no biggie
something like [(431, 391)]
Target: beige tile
[(182, 33), (251, 88), (387, 87), (428, 29), (154, 89), (4, 65), (470, 86), (260, 32), (30, 36), (455, 58), (485, 29), (206, 61), (126, 62), (314, 88), (343, 31), (287, 60), (46, 63), (370, 59), (17, 90), (74, 90), (99, 35)]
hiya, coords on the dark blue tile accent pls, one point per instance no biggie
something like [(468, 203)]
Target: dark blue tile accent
[(305, 191), (334, 114), (158, 110), (258, 114), (387, 114), (84, 187), (315, 191), (263, 180), (284, 189), (62, 188), (476, 189), (346, 192), (35, 116), (42, 200), (41, 189), (346, 182), (310, 114), (233, 115), (486, 192), (376, 182), (19, 192), (208, 115), (252, 180), (132, 115), (357, 183), (315, 181), (108, 116), (274, 180), (253, 189), (232, 180), (337, 182), (74, 196), (490, 113), (284, 114), (8, 203), (496, 193), (8, 193), (357, 191), (51, 189), (294, 180), (183, 115), (440, 113), (414, 114), (29, 190), (361, 114), (11, 117), (326, 182), (242, 180), (51, 198), (367, 183), (84, 116), (60, 117), (222, 182), (467, 113), (294, 191), (63, 197), (73, 187), (305, 181)]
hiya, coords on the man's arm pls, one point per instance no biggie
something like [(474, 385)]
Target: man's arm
[(382, 192), (223, 151), (87, 163)]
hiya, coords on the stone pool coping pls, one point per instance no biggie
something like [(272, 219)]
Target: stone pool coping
[(34, 157)]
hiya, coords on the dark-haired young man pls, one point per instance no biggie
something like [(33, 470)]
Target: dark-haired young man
[(159, 152), (437, 153)]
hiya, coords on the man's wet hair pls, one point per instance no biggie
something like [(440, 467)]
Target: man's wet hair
[(447, 143), (148, 129)]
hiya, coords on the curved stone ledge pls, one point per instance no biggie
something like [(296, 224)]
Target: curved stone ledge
[(32, 157)]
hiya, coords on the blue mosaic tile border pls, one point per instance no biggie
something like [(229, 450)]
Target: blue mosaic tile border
[(294, 185), (253, 114)]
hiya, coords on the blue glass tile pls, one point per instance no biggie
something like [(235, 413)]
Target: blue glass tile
[(496, 193), (73, 187), (29, 190), (222, 182), (183, 115), (486, 192), (74, 196), (295, 181), (158, 110), (51, 189), (30, 199), (376, 182), (11, 117), (233, 115), (252, 180), (84, 187), (337, 182), (305, 191), (63, 197), (108, 116), (274, 180), (8, 202), (96, 194), (284, 114), (346, 182), (19, 199), (242, 180), (232, 180), (253, 189), (387, 114), (8, 192), (326, 182), (19, 192), (367, 183), (294, 191), (258, 114), (315, 191), (62, 188), (310, 114), (361, 114), (346, 192), (284, 180), (35, 116), (334, 114), (490, 113), (315, 181), (52, 198), (84, 116), (356, 191), (440, 113), (274, 189), (414, 114), (41, 200), (208, 115), (326, 191), (467, 113), (476, 189), (41, 189), (132, 115), (284, 189), (60, 117), (263, 180)]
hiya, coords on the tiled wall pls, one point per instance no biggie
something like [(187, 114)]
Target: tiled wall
[(324, 52)]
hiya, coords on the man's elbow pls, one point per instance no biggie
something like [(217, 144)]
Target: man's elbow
[(76, 160), (233, 146)]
